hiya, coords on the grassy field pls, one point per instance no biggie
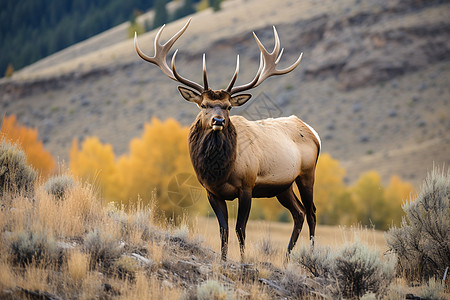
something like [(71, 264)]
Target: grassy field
[(277, 235)]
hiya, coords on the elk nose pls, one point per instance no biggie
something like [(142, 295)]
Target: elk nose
[(218, 123)]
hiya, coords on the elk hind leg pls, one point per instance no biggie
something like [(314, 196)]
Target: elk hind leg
[(289, 200), (305, 186)]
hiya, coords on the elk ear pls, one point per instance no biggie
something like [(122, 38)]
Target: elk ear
[(240, 99), (190, 95)]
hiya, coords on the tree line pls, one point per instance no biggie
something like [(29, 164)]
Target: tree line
[(33, 29)]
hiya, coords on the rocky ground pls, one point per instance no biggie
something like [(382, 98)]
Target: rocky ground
[(373, 81)]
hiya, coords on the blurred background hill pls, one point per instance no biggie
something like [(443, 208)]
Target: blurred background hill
[(374, 80)]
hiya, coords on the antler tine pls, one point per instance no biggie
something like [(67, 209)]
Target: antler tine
[(205, 78), (268, 64), (161, 52), (276, 48), (252, 83), (183, 80), (279, 56), (233, 80)]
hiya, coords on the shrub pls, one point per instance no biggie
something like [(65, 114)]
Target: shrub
[(58, 186), (422, 242), (126, 267), (266, 247), (27, 247), (360, 271), (432, 290), (15, 174), (212, 289), (317, 260), (102, 247), (356, 270)]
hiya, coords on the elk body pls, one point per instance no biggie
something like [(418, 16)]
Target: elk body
[(236, 158)]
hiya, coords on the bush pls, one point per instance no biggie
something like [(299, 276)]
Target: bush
[(58, 186), (432, 290), (102, 247), (422, 243), (28, 247), (15, 174), (266, 247), (356, 270), (212, 289), (126, 267), (360, 271), (317, 260)]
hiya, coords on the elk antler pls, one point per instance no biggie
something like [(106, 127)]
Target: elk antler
[(161, 52), (267, 66)]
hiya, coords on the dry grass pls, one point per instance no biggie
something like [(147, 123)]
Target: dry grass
[(89, 249), (278, 235), (80, 243), (78, 265)]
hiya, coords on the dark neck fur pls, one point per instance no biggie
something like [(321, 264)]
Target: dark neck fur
[(212, 152)]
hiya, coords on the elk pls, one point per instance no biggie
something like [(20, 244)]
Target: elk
[(237, 158)]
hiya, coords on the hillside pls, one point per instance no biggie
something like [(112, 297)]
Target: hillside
[(373, 80)]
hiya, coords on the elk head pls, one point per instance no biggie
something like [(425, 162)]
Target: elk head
[(215, 104)]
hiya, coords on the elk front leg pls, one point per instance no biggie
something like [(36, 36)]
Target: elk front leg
[(220, 209), (245, 201)]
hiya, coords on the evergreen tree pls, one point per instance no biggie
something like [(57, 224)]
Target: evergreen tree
[(161, 16), (215, 4), (186, 9), (31, 30)]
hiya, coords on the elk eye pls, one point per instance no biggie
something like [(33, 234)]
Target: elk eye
[(203, 106)]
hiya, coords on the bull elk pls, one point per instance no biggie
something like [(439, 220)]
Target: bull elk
[(237, 158)]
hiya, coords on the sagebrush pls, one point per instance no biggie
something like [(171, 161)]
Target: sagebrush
[(58, 186), (353, 270), (422, 242), (15, 175)]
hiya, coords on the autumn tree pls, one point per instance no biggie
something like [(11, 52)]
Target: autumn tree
[(368, 195), (328, 188), (95, 162), (27, 138), (154, 159), (158, 155), (9, 71), (396, 193)]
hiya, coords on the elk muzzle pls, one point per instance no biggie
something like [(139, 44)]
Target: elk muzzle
[(218, 123)]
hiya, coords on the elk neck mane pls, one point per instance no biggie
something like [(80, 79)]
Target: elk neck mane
[(212, 152)]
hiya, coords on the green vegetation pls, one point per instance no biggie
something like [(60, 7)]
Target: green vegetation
[(215, 4), (30, 30), (186, 9), (161, 15)]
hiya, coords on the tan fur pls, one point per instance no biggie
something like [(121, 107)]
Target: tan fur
[(271, 152)]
